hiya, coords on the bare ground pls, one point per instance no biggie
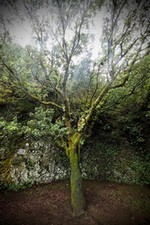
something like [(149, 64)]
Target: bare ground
[(108, 204)]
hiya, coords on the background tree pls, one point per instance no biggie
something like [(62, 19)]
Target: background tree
[(49, 75)]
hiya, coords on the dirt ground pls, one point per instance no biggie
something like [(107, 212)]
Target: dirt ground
[(49, 204)]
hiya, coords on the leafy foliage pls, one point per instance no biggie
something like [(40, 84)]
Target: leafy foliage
[(41, 124), (125, 113), (10, 128)]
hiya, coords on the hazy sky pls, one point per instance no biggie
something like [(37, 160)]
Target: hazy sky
[(22, 33)]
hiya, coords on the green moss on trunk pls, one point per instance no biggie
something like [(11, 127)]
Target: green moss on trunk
[(77, 197)]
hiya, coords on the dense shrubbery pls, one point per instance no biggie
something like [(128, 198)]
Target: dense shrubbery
[(125, 115), (40, 124)]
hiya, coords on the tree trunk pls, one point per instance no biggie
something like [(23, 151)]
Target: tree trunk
[(77, 197)]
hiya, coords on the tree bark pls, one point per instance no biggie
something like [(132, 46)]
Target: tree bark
[(78, 201)]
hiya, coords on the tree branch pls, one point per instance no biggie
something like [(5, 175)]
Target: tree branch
[(25, 90)]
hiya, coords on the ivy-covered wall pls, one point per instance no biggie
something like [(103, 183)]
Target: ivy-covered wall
[(40, 162), (113, 162), (36, 162)]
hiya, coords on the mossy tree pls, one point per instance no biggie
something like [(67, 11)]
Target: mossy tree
[(47, 74)]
